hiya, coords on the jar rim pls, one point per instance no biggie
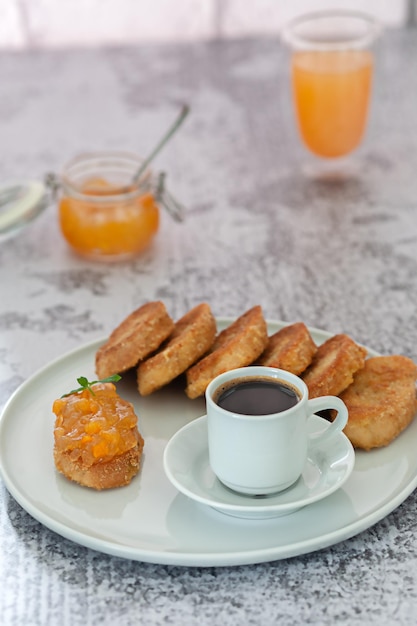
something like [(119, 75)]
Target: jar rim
[(316, 30), (82, 162)]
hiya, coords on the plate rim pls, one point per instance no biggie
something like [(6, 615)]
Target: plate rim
[(194, 558), (287, 507)]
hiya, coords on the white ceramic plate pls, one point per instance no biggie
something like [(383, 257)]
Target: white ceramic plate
[(186, 463), (149, 520)]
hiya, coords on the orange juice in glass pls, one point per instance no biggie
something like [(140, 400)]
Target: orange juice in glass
[(331, 70)]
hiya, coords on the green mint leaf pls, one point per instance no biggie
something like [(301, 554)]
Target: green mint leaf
[(86, 384), (110, 379)]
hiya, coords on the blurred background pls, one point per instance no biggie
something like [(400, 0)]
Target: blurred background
[(34, 24)]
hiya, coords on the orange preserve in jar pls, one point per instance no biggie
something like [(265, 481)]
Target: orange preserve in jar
[(103, 213)]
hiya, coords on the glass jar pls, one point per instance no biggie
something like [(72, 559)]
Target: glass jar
[(104, 213), (331, 72)]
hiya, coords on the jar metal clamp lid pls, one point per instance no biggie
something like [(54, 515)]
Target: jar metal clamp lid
[(164, 197)]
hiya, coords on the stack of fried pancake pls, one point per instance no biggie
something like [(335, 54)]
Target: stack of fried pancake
[(163, 350), (379, 392)]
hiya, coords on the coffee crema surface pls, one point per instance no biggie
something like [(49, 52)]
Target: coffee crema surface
[(256, 396)]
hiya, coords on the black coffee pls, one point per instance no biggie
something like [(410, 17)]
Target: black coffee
[(256, 396)]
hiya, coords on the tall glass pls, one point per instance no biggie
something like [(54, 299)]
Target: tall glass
[(331, 71)]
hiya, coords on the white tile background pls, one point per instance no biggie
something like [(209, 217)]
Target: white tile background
[(61, 23)]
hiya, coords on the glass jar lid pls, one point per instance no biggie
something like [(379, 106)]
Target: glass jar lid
[(20, 203)]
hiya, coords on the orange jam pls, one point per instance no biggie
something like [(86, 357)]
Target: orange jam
[(109, 224), (102, 213), (94, 427)]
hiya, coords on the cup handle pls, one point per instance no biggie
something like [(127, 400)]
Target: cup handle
[(338, 424)]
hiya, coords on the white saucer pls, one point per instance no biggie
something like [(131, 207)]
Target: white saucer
[(186, 464)]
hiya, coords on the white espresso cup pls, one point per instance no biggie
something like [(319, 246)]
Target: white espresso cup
[(257, 443)]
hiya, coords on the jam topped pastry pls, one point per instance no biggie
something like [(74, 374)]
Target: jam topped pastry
[(97, 442)]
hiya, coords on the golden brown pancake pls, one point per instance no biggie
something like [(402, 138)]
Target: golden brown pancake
[(192, 337), (381, 401), (140, 334), (291, 348), (237, 345), (333, 366)]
